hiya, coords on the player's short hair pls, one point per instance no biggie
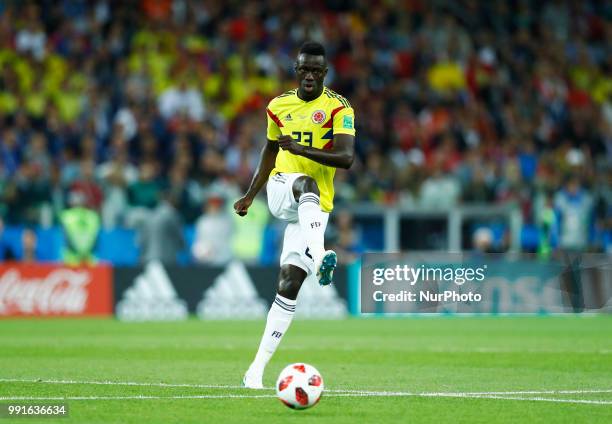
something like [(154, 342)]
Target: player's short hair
[(312, 48)]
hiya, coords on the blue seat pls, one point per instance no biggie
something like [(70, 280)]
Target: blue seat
[(11, 240), (269, 251), (530, 237), (50, 244), (185, 257), (118, 246), (499, 230)]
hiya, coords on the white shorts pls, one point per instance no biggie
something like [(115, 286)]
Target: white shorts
[(283, 206)]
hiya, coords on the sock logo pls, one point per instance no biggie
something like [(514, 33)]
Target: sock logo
[(315, 224), (277, 334)]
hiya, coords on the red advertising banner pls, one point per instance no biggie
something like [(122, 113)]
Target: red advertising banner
[(55, 290)]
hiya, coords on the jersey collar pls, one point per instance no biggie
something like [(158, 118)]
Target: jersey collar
[(308, 101)]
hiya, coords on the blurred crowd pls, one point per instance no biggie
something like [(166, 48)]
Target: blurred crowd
[(114, 105)]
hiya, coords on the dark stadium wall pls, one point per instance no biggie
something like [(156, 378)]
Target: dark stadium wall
[(235, 291)]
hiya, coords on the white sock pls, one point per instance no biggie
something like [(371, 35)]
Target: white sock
[(279, 317), (312, 220)]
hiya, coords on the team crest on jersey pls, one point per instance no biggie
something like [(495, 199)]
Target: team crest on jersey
[(318, 116)]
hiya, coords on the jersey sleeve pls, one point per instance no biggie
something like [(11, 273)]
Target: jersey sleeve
[(344, 121), (274, 124)]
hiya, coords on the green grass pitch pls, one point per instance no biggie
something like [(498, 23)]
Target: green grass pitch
[(440, 369)]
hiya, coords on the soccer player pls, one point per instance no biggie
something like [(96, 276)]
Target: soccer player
[(311, 132)]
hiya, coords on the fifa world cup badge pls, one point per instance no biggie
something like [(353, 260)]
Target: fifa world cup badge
[(347, 122)]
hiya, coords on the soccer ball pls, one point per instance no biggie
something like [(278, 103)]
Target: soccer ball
[(299, 386)]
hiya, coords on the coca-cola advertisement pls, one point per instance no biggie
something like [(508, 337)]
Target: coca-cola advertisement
[(49, 289)]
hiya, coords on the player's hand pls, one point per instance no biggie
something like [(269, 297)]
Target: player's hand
[(242, 205), (286, 142)]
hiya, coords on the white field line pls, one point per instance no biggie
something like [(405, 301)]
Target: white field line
[(507, 395), (353, 391), (469, 396), (230, 396), (135, 397), (542, 399), (118, 383), (450, 394)]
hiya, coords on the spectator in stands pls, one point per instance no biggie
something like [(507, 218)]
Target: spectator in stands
[(125, 119), (37, 153), (116, 175), (440, 190), (482, 240), (182, 101), (81, 226), (431, 85), (248, 234), (377, 180), (31, 191), (10, 152), (25, 250), (145, 191), (214, 231), (478, 190), (604, 209), (87, 185), (574, 208), (345, 238), (545, 219), (29, 242), (161, 235)]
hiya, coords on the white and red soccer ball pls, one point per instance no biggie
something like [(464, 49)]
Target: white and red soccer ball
[(299, 386)]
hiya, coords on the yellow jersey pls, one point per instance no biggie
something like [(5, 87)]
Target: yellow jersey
[(313, 123)]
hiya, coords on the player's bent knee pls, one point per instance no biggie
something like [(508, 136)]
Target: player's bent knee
[(290, 281), (289, 288), (305, 184)]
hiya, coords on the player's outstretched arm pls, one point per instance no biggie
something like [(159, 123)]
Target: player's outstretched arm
[(341, 155), (267, 158)]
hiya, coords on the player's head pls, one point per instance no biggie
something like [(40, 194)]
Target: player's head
[(311, 68)]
